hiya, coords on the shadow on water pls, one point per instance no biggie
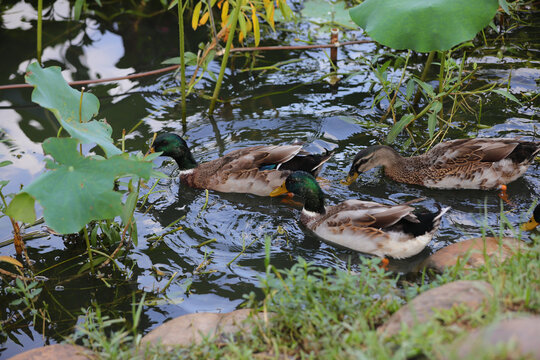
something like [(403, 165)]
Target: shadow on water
[(266, 108)]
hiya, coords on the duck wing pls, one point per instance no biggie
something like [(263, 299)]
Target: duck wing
[(243, 170), (257, 157), (462, 151), (359, 213), (307, 161), (483, 150)]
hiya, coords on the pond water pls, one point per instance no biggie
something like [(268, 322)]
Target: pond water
[(274, 107)]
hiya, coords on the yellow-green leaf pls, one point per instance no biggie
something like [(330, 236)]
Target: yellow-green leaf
[(196, 14), (225, 12), (173, 4), (10, 260), (270, 10), (243, 27), (256, 31), (285, 9), (204, 18)]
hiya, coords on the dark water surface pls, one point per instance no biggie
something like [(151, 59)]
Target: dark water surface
[(266, 108)]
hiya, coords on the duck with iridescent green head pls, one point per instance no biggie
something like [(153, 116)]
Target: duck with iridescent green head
[(254, 170), (369, 227)]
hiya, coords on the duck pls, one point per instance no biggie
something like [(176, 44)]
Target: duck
[(534, 220), (365, 226), (254, 170), (480, 163)]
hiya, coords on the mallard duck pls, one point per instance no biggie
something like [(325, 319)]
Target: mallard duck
[(254, 170), (534, 221), (366, 226), (480, 163)]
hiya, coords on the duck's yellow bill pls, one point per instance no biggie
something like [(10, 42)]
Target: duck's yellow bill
[(350, 179), (279, 191), (530, 225)]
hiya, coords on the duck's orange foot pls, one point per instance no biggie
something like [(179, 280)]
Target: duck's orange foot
[(384, 264), (503, 195), (288, 200)]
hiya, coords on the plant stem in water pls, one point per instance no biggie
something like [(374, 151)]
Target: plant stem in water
[(182, 60), (441, 79), (88, 248), (424, 76), (39, 23), (225, 56)]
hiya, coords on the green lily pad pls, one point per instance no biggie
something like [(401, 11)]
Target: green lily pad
[(423, 25), (77, 189), (52, 92)]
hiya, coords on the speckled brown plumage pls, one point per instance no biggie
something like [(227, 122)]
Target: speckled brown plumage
[(374, 228), (369, 227), (481, 163), (242, 170)]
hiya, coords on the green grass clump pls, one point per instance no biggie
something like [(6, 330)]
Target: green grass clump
[(320, 313)]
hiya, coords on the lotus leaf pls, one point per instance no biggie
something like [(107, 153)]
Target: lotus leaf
[(77, 189), (53, 93), (423, 25)]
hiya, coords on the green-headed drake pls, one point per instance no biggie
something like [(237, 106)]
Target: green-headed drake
[(255, 170), (480, 163), (366, 226), (534, 221)]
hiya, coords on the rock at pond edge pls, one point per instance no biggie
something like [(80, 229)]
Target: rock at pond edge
[(421, 309), (56, 352), (193, 328), (521, 334), (472, 251)]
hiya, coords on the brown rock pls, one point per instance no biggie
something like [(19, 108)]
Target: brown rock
[(189, 329), (520, 334), (471, 252), (56, 352), (421, 309)]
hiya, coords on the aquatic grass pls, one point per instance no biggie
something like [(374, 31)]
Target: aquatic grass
[(316, 312)]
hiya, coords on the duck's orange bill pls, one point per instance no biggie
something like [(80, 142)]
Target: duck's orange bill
[(279, 191), (530, 225), (350, 179)]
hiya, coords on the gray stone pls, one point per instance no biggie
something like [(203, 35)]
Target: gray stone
[(191, 329), (56, 352), (421, 309), (521, 335), (471, 252)]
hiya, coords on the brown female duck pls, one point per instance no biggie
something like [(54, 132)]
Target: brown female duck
[(481, 163)]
